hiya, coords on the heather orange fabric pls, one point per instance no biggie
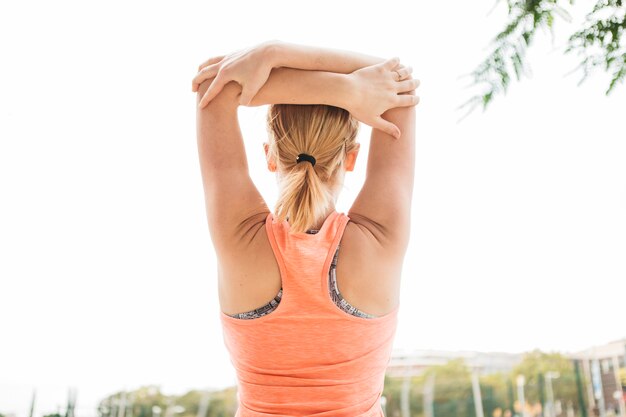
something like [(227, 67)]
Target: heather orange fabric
[(308, 357)]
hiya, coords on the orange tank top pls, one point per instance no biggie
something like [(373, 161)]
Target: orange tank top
[(308, 357)]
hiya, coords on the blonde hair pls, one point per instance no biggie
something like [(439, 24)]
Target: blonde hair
[(327, 133)]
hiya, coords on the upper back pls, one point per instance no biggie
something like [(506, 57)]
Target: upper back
[(368, 275)]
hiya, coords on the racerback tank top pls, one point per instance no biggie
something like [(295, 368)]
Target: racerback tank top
[(308, 357), (341, 302)]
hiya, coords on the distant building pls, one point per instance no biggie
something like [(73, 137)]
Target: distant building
[(600, 365), (414, 362)]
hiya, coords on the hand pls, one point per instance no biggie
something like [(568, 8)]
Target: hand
[(250, 67), (378, 88)]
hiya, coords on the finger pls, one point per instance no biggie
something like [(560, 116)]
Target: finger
[(211, 61), (387, 127), (404, 72), (391, 63), (416, 85), (204, 74), (407, 100), (214, 89), (407, 85)]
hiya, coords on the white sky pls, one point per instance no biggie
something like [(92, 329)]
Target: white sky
[(107, 275)]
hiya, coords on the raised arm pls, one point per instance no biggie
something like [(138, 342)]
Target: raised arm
[(265, 76), (382, 206), (306, 57), (294, 86), (251, 67)]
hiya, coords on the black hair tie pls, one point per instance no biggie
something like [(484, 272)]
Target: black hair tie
[(305, 157)]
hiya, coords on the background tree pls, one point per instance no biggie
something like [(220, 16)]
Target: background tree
[(535, 365), (495, 392), (453, 387), (222, 403), (600, 42)]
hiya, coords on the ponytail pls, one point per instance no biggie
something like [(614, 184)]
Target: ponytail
[(307, 187), (304, 198)]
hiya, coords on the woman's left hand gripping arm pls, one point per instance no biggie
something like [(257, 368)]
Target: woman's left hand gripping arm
[(249, 67)]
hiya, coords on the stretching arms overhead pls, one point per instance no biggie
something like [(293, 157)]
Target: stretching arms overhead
[(375, 91)]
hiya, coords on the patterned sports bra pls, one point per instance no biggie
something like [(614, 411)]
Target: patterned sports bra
[(333, 289)]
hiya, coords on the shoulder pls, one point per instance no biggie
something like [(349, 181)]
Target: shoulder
[(372, 238), (247, 238), (250, 228)]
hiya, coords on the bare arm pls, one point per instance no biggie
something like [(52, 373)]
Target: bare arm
[(366, 92), (251, 67), (294, 86), (305, 57), (383, 205)]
